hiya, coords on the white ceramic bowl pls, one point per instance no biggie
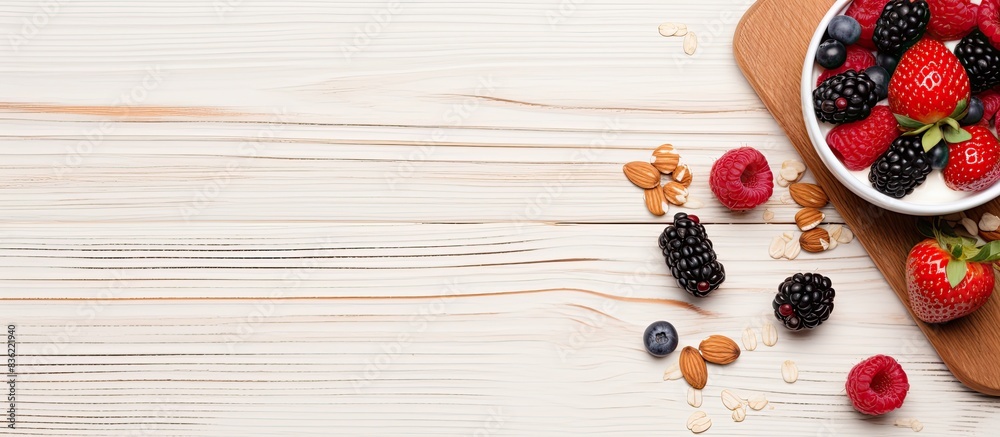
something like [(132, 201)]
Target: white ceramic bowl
[(930, 198)]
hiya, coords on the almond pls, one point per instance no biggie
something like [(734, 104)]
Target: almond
[(665, 159), (815, 240), (808, 195), (693, 367), (642, 174), (989, 235), (654, 201), (719, 349), (675, 193), (809, 218), (682, 174)]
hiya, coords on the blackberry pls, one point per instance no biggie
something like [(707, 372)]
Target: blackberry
[(846, 97), (690, 256), (980, 59), (901, 25), (804, 300), (901, 168)]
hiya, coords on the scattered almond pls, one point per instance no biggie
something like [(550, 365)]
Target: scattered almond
[(789, 371), (809, 218), (693, 367), (668, 29), (808, 195), (675, 193), (989, 222), (699, 422), (739, 414), (682, 174), (989, 236), (815, 240), (730, 400), (719, 349), (757, 402), (665, 159), (777, 248), (694, 397), (672, 373), (792, 250), (690, 43), (654, 201), (769, 334), (749, 339), (642, 174)]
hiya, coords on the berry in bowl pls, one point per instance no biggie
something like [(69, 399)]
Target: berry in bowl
[(898, 98)]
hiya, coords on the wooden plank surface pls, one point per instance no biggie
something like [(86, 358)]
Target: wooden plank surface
[(398, 218)]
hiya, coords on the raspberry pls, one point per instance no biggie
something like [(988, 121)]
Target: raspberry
[(991, 104), (858, 59), (950, 19), (867, 13), (860, 143), (877, 385), (988, 19), (741, 179)]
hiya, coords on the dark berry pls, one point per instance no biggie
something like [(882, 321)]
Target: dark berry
[(975, 112), (845, 29), (901, 25), (881, 78), (660, 338), (938, 156), (857, 90), (804, 301), (888, 61), (690, 256), (901, 168), (831, 54), (980, 59)]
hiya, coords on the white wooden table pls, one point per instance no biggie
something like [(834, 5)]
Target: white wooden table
[(259, 218)]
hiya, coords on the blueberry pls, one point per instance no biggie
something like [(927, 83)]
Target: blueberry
[(844, 29), (938, 155), (881, 78), (660, 338), (975, 112), (831, 54), (887, 61)]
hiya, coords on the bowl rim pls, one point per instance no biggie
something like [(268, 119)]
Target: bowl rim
[(841, 172)]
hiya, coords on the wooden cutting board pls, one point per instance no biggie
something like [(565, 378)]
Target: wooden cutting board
[(770, 46)]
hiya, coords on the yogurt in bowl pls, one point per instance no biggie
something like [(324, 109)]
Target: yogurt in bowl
[(931, 198)]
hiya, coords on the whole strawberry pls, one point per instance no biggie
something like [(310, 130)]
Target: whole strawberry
[(973, 165), (929, 91), (948, 277)]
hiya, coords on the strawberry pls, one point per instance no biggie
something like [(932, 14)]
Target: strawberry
[(860, 143), (973, 165), (951, 19), (867, 13), (947, 276), (858, 59)]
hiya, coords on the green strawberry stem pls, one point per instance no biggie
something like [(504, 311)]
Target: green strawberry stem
[(963, 250), (947, 128)]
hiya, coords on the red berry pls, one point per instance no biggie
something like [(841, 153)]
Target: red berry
[(694, 218), (786, 310), (973, 165), (841, 103), (858, 59), (951, 19), (741, 179), (989, 20), (860, 143), (931, 296), (703, 286), (867, 13), (877, 385), (991, 104), (928, 83)]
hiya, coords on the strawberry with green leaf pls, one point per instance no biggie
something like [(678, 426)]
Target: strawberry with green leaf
[(948, 276), (929, 93)]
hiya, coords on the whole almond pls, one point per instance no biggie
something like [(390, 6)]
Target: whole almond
[(815, 240), (808, 195), (809, 218), (719, 349), (675, 193), (693, 367), (682, 174), (989, 235), (642, 174), (665, 159), (654, 201)]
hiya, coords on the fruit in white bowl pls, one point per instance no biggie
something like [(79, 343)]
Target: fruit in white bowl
[(904, 120)]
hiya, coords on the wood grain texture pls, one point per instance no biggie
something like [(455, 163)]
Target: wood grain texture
[(969, 346), (306, 217)]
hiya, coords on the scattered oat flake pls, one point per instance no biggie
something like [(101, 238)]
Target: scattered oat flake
[(682, 30), (768, 215), (769, 334), (739, 414), (693, 203), (777, 248), (989, 222), (792, 250), (789, 371), (970, 226), (749, 339), (694, 397), (690, 43), (668, 29), (757, 402), (730, 400), (699, 422), (787, 199), (672, 373), (916, 426), (846, 236)]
